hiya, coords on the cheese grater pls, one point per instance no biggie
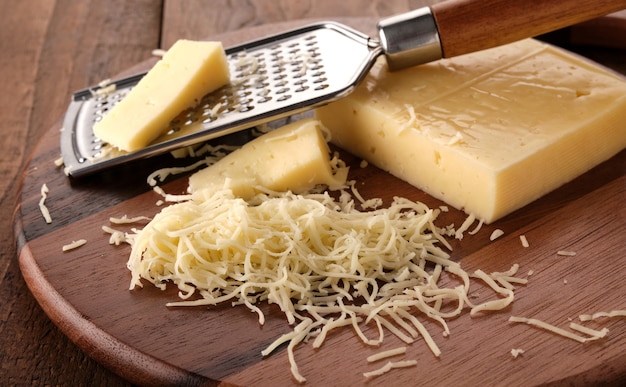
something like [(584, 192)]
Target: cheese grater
[(303, 68)]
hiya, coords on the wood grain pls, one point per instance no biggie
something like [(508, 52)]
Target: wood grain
[(134, 334), (193, 19), (50, 49), (56, 47), (467, 26)]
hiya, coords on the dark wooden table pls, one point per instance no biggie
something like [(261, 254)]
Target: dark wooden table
[(52, 48)]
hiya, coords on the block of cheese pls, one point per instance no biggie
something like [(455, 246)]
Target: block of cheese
[(487, 132), (188, 71), (294, 157)]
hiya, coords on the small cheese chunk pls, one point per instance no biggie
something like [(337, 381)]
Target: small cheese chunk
[(187, 72), (487, 132), (293, 158)]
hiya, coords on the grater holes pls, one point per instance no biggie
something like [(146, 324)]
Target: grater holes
[(261, 85), (261, 76), (96, 149), (264, 95), (243, 93), (102, 104)]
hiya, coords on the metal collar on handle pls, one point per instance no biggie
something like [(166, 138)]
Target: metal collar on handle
[(410, 39)]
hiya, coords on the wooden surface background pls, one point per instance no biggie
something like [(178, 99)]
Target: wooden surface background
[(52, 48)]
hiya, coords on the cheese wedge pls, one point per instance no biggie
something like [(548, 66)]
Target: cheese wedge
[(487, 132), (187, 72), (293, 158)]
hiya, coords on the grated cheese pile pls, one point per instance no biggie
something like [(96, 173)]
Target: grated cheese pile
[(323, 262)]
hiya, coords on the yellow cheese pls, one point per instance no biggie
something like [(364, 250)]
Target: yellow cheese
[(487, 132), (188, 71), (294, 157)]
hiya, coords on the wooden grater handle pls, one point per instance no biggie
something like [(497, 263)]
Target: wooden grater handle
[(467, 25)]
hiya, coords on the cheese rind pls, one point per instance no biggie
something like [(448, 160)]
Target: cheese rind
[(293, 158), (187, 72), (487, 132)]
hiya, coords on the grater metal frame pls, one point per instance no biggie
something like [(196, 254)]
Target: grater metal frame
[(271, 78)]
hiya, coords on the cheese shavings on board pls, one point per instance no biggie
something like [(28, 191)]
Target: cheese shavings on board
[(326, 264)]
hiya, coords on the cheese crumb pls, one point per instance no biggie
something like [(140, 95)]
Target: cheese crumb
[(411, 122), (42, 204), (171, 197), (105, 91), (497, 233), (593, 334), (523, 240), (74, 245), (159, 52), (389, 366), (515, 352), (117, 237), (125, 219), (477, 228), (464, 226), (386, 354), (588, 331), (104, 82), (458, 137), (597, 315)]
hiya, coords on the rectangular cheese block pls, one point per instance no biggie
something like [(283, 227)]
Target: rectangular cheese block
[(487, 132), (188, 71), (294, 158)]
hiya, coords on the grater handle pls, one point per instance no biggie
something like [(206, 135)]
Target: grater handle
[(456, 27)]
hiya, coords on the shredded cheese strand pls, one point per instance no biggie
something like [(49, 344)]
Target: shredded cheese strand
[(389, 366), (42, 204), (74, 245), (385, 354), (554, 329), (465, 226), (597, 315)]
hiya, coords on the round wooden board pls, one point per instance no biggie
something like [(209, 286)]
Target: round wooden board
[(85, 291)]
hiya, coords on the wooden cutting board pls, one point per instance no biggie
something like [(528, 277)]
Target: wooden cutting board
[(85, 291)]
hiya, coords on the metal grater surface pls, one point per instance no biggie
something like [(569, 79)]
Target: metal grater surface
[(270, 79)]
